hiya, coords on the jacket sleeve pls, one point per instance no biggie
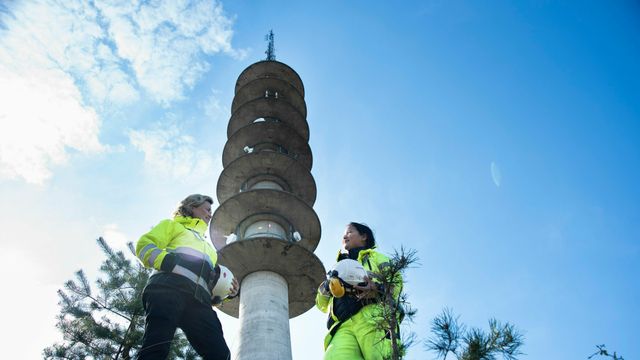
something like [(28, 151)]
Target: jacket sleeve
[(151, 247)]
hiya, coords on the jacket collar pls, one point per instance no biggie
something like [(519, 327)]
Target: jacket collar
[(355, 254), (195, 224)]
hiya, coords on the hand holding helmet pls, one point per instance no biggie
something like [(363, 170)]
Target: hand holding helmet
[(225, 286), (368, 290), (345, 276)]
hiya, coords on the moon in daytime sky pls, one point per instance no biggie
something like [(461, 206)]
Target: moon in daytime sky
[(495, 174)]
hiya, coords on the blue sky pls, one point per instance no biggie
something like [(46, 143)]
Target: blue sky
[(499, 139)]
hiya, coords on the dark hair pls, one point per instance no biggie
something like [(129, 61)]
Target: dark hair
[(365, 230)]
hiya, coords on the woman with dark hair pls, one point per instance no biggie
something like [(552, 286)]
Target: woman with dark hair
[(353, 330), (178, 293)]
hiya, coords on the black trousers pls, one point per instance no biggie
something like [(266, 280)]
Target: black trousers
[(166, 310)]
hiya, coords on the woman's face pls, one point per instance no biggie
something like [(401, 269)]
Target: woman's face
[(352, 238), (203, 212)]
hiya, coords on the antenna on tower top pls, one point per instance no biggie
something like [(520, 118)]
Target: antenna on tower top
[(271, 51)]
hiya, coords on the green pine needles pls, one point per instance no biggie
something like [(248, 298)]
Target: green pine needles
[(106, 321), (602, 351), (449, 336), (394, 305)]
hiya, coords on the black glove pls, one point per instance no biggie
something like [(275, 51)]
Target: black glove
[(216, 300), (169, 262), (212, 280)]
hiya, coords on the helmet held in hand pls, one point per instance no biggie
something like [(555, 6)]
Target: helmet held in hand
[(344, 275), (224, 285)]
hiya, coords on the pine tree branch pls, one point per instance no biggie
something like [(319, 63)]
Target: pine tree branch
[(447, 334), (393, 306), (80, 338), (124, 344), (96, 301), (474, 344), (602, 351), (109, 323)]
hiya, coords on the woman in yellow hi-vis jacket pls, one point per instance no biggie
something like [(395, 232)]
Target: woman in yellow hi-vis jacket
[(353, 330), (178, 293)]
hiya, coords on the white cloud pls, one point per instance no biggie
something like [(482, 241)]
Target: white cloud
[(113, 46), (171, 154), (164, 41), (75, 43), (42, 116), (62, 60), (32, 296), (116, 238), (214, 109), (107, 82)]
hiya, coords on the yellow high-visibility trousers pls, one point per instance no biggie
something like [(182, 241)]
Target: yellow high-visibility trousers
[(358, 339)]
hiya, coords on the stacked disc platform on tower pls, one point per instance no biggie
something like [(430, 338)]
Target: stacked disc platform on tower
[(265, 221)]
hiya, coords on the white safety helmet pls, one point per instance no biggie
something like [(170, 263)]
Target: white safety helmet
[(223, 287), (349, 271)]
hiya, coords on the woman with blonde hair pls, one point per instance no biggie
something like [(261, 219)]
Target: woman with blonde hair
[(179, 292)]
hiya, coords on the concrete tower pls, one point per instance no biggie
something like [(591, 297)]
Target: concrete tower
[(265, 228)]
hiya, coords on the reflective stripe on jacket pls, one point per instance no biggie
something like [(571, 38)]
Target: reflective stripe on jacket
[(194, 256)]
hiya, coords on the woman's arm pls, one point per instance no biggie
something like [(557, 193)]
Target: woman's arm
[(151, 247)]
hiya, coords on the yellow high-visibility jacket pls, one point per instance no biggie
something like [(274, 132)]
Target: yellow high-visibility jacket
[(182, 257), (372, 261)]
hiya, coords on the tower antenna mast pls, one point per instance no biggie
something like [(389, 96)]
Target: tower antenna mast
[(271, 50)]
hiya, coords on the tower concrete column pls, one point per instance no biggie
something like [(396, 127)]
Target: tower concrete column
[(265, 229), (264, 318)]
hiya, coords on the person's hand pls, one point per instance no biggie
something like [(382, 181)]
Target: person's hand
[(235, 288), (367, 291), (323, 289)]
